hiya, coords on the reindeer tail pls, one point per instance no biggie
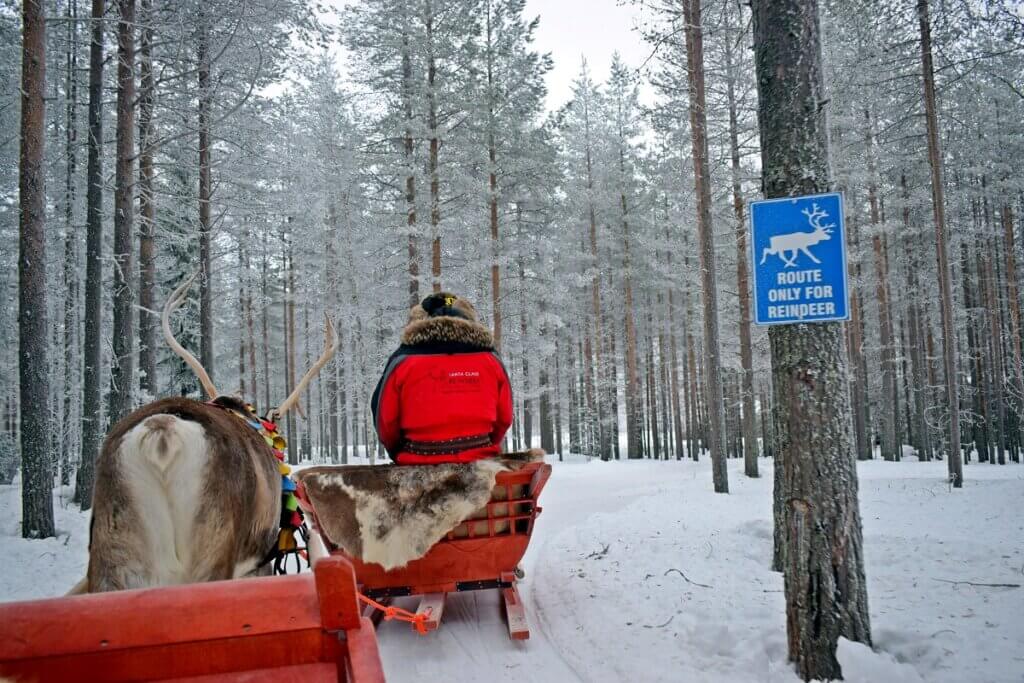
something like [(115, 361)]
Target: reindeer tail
[(143, 524)]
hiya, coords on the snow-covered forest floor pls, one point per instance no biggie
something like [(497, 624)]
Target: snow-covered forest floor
[(638, 571)]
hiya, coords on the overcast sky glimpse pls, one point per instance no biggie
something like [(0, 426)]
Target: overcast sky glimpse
[(570, 29)]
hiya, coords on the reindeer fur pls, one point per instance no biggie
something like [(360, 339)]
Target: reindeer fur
[(393, 514), (185, 492)]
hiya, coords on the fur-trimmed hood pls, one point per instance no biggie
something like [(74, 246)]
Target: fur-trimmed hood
[(422, 329)]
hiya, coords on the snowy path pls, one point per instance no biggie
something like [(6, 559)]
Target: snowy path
[(602, 607), (473, 632), (639, 572)]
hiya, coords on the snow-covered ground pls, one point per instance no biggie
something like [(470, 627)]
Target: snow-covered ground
[(638, 571)]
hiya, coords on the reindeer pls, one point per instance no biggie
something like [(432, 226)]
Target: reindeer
[(186, 491), (800, 241)]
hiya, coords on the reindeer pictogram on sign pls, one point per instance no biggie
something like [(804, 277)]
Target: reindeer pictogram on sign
[(794, 243), (808, 280)]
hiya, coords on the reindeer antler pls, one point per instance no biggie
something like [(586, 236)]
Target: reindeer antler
[(173, 301), (328, 353), (814, 216)]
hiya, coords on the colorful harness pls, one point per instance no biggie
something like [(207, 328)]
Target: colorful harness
[(292, 520)]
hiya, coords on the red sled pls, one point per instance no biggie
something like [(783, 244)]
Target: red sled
[(304, 627), (483, 552)]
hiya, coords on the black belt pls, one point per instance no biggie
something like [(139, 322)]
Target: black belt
[(447, 447)]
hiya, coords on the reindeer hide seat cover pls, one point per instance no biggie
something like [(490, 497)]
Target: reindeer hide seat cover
[(393, 514)]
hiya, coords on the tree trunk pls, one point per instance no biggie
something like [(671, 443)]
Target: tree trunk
[(410, 162), (634, 398), (33, 371), (916, 340), (435, 182), (750, 450), (265, 328), (289, 302), (206, 357), (147, 210), (69, 441), (122, 369), (595, 402), (995, 355), (678, 391), (492, 156), (1013, 305), (705, 231), (331, 279), (855, 344), (823, 563), (92, 415), (887, 408), (949, 342)]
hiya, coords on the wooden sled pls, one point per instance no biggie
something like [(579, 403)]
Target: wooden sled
[(483, 552), (304, 627)]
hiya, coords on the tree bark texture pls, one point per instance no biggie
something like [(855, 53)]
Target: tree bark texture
[(206, 357), (147, 209), (949, 341), (702, 181), (822, 559), (72, 306), (92, 415), (33, 372), (750, 449), (435, 144), (410, 161), (888, 406), (492, 157), (122, 369)]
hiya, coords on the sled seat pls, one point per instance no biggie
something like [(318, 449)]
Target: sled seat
[(483, 552), (303, 627)]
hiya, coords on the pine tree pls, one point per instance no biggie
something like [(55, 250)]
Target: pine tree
[(37, 479), (823, 561)]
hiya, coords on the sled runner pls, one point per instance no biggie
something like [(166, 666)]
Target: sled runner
[(482, 552), (304, 627)]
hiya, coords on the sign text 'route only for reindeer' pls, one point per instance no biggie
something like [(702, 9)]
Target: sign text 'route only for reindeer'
[(798, 247)]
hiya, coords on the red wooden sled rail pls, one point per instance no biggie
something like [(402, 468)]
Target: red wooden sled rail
[(305, 627)]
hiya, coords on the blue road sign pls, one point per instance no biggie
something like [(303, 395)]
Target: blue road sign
[(798, 248)]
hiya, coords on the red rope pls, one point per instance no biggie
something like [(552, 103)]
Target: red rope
[(417, 619)]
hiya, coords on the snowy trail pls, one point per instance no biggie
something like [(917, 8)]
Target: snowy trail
[(604, 603), (639, 572), (472, 642)]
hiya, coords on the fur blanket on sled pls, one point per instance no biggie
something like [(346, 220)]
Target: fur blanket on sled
[(391, 514)]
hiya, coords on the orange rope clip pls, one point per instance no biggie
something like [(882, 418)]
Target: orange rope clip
[(417, 619)]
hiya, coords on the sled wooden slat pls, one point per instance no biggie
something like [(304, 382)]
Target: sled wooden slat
[(228, 630), (302, 672), (515, 614), (434, 602)]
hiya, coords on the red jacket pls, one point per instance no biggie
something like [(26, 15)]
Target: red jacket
[(442, 401)]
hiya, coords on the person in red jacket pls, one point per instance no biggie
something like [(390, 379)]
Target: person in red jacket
[(445, 395)]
